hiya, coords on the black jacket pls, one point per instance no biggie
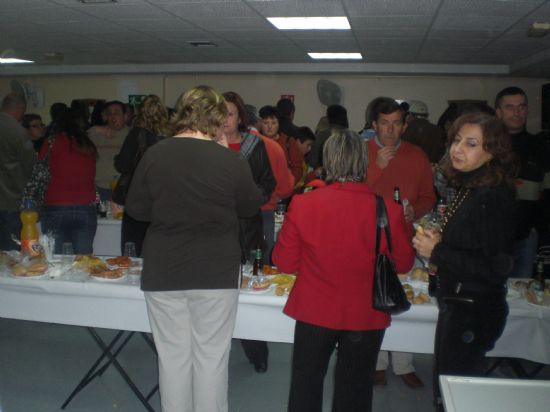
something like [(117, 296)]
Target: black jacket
[(476, 245), (254, 151)]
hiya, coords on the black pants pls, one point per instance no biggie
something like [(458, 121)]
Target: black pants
[(255, 350), (132, 231), (355, 365), (465, 332)]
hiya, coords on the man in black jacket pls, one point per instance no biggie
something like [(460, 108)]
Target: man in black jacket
[(512, 108)]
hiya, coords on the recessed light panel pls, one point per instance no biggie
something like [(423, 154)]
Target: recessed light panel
[(310, 23), (11, 60), (336, 56)]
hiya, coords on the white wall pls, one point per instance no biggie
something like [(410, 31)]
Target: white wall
[(262, 89)]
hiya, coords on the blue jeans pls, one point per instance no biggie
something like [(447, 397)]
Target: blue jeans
[(76, 224), (9, 224)]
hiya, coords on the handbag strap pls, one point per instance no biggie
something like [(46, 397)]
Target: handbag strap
[(382, 221)]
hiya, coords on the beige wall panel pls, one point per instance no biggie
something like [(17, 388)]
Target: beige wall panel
[(260, 89)]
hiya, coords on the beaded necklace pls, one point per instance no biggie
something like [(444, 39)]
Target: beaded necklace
[(451, 210)]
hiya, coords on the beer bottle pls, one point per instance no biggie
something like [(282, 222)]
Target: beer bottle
[(257, 265)]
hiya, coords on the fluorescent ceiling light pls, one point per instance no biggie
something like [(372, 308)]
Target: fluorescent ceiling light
[(8, 56), (333, 56), (97, 1), (11, 60), (310, 23)]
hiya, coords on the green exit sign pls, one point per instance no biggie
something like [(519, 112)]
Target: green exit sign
[(136, 99)]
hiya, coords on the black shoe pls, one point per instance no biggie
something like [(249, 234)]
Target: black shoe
[(260, 367)]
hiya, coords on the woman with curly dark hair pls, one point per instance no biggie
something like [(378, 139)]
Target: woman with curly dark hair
[(471, 256)]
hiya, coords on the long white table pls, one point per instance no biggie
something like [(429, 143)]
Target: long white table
[(74, 299)]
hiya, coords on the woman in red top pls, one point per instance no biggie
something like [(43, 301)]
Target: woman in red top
[(328, 238), (70, 212)]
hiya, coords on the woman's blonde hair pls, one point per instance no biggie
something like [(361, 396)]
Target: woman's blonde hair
[(153, 116), (345, 157), (200, 109)]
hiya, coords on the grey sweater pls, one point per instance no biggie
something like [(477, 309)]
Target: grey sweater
[(192, 191), (17, 158)]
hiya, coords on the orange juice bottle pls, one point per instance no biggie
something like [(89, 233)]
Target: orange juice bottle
[(29, 230)]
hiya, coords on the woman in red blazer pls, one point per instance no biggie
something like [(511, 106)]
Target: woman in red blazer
[(328, 238)]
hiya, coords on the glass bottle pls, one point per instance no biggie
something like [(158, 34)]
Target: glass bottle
[(257, 265), (29, 230), (397, 195)]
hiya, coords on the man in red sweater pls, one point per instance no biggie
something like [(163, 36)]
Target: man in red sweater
[(397, 163)]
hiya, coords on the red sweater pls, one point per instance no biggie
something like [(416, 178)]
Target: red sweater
[(72, 173), (293, 155), (281, 172), (410, 169), (328, 238)]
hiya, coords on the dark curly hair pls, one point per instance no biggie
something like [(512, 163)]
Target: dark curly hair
[(501, 168)]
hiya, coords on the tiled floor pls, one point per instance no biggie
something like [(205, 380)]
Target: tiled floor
[(41, 363)]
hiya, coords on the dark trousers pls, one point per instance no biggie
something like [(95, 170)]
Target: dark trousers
[(132, 230), (255, 350), (355, 366), (465, 332), (9, 225)]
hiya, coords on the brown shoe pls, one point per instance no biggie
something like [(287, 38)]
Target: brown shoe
[(412, 380), (380, 378)]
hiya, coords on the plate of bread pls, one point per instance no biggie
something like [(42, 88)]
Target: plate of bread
[(30, 270)]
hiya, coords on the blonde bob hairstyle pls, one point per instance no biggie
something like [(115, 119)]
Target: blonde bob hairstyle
[(200, 109), (345, 157)]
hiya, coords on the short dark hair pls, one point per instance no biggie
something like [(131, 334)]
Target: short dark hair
[(286, 107), (338, 115), (269, 111), (57, 109), (496, 141), (305, 134), (509, 91), (28, 118), (115, 103), (386, 105), (237, 100)]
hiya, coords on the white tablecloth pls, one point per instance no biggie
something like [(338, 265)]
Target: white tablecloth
[(74, 299), (107, 237)]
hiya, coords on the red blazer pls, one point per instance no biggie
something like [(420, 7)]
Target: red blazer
[(328, 238)]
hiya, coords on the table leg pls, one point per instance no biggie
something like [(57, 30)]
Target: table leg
[(91, 372), (107, 352)]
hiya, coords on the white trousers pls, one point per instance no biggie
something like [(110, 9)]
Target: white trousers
[(192, 331), (401, 362)]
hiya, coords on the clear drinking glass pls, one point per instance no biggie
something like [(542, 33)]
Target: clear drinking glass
[(130, 249), (67, 253)]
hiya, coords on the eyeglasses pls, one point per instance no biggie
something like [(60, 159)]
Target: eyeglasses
[(38, 125)]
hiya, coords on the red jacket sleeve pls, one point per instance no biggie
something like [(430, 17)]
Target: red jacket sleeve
[(426, 194)]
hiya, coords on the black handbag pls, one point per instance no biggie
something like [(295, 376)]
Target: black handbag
[(123, 184), (387, 292), (37, 185)]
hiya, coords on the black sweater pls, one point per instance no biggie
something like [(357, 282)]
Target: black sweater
[(192, 191), (475, 249)]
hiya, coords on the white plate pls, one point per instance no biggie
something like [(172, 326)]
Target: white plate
[(100, 279), (42, 276), (260, 291)]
